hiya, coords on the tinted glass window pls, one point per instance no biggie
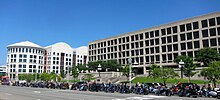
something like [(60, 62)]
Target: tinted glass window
[(156, 33), (146, 35), (169, 47), (213, 42), (152, 50), (218, 20), (195, 25), (205, 43), (188, 26), (174, 29), (168, 30), (163, 39), (141, 36), (218, 30), (163, 48), (151, 34), (212, 32), (212, 22), (163, 31), (204, 23), (152, 59), (157, 49), (164, 57), (182, 28), (196, 44), (152, 42), (189, 36), (169, 40), (157, 41), (183, 46), (189, 45), (182, 37), (175, 47), (196, 34), (147, 42), (175, 38), (204, 33), (147, 50)]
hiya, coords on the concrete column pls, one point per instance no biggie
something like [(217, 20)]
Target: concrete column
[(144, 70)]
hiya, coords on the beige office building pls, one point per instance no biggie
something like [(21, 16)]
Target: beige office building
[(160, 44)]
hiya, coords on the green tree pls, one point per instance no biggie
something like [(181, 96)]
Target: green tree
[(207, 55), (88, 77), (126, 71), (62, 74), (166, 73), (154, 71), (189, 66), (212, 73), (75, 72)]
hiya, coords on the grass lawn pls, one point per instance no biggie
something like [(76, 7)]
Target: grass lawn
[(169, 81)]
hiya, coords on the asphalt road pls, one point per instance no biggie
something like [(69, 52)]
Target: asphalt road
[(26, 93)]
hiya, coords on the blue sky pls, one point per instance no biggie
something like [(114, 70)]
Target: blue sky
[(78, 22)]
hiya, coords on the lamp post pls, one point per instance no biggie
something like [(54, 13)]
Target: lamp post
[(130, 64), (181, 63), (35, 74), (99, 69)]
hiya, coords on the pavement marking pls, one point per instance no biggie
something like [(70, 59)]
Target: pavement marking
[(37, 92), (147, 97)]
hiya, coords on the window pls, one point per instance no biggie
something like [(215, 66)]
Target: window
[(164, 57), (205, 43), (163, 31), (196, 34), (163, 39), (175, 47), (127, 38), (147, 42), (212, 32), (189, 45), (141, 43), (152, 59), (152, 34), (157, 41), (218, 30), (213, 42), (182, 28), (189, 36), (218, 20), (182, 37), (156, 33), (174, 29), (132, 38), (183, 46), (169, 40), (136, 37), (204, 23), (163, 48), (146, 35), (196, 44), (212, 22), (195, 25), (188, 27), (169, 30), (152, 50), (204, 33), (169, 56), (175, 38), (152, 42), (147, 50), (158, 58), (169, 48), (157, 49), (141, 36)]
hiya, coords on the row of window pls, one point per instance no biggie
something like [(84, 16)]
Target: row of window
[(25, 50), (166, 31)]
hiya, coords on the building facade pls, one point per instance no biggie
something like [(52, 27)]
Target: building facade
[(3, 70), (81, 55), (24, 57), (160, 44), (27, 57)]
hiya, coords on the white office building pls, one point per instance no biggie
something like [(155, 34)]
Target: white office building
[(3, 69), (24, 57), (27, 57)]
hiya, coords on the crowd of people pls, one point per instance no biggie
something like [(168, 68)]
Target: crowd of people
[(179, 89)]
